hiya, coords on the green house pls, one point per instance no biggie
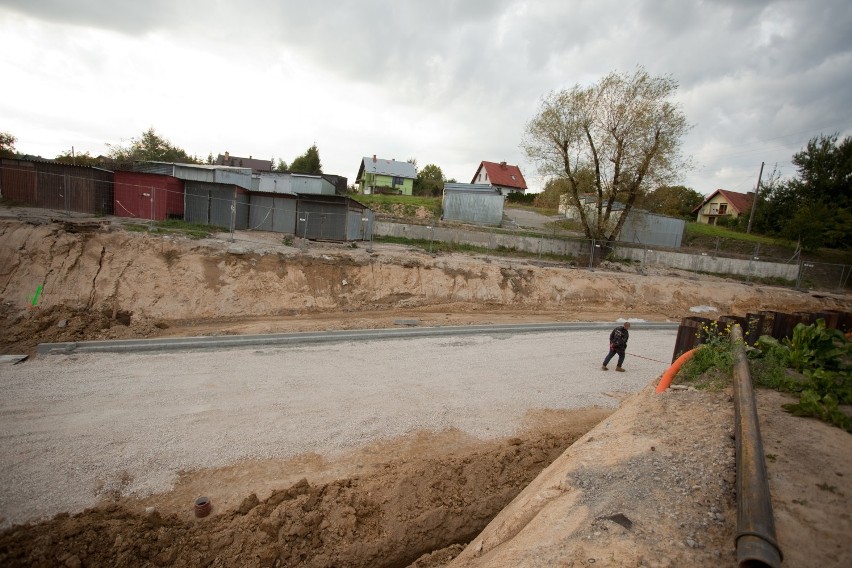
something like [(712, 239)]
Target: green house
[(385, 176)]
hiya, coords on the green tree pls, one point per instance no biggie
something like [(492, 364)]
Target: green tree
[(150, 146), (624, 129), (307, 163), (825, 170), (7, 145), (78, 158), (552, 193), (429, 182), (281, 166), (557, 187), (673, 200), (775, 202), (815, 207)]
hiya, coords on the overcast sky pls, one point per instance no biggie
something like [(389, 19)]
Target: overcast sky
[(449, 82)]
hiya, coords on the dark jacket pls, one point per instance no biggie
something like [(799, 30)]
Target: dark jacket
[(618, 338)]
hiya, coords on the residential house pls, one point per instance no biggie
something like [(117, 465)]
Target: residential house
[(503, 177), (723, 204), (237, 162), (376, 175)]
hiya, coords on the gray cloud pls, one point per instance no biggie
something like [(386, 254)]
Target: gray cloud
[(750, 71)]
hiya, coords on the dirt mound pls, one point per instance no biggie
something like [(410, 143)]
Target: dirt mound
[(423, 503), (113, 284), (391, 508)]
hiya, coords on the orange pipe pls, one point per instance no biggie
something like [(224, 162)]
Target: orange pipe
[(670, 373)]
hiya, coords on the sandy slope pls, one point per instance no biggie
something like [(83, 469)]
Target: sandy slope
[(662, 463)]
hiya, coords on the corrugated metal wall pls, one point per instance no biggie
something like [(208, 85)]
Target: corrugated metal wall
[(210, 204), (322, 220), (292, 183), (272, 213), (18, 181), (58, 186), (147, 196), (482, 208), (359, 224), (652, 229)]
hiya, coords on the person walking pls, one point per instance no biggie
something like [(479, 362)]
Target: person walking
[(617, 346)]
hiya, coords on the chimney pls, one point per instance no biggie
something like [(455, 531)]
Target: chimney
[(227, 155), (503, 165), (374, 158)]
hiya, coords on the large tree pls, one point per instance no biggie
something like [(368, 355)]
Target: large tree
[(624, 129), (78, 158), (823, 194), (7, 145), (307, 163), (150, 146), (673, 200), (815, 207), (430, 181)]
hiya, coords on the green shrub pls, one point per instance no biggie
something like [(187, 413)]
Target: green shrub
[(823, 358), (711, 367)]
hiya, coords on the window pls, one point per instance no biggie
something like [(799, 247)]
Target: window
[(723, 208), (397, 181)]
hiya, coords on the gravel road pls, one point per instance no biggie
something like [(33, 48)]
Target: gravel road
[(75, 427)]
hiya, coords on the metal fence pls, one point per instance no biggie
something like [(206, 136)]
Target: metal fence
[(584, 252), (231, 209), (219, 206)]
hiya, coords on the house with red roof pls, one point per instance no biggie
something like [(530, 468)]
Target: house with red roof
[(723, 203), (504, 178)]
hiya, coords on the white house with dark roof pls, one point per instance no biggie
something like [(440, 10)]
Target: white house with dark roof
[(503, 177)]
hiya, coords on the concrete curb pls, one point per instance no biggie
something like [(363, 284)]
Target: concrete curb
[(285, 339)]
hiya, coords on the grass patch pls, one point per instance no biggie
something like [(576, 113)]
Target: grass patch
[(540, 210), (715, 231), (176, 227), (409, 204), (766, 280), (711, 367)]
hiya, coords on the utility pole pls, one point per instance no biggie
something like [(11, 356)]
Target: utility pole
[(754, 203)]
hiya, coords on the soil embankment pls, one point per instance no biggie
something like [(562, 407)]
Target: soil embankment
[(115, 284), (652, 484)]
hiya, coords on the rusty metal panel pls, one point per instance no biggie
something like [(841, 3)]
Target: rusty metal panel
[(690, 333), (148, 196)]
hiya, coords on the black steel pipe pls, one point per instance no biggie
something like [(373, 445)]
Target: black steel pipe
[(756, 543)]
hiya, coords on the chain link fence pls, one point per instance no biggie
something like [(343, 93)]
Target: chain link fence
[(222, 208), (261, 216)]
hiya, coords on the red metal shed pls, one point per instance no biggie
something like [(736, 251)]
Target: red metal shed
[(148, 196)]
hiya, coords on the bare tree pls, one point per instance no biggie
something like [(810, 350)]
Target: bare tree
[(624, 129)]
